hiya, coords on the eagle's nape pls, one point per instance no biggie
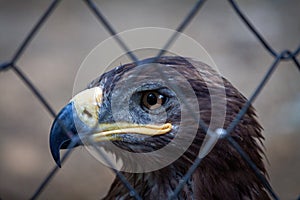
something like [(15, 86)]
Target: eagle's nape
[(223, 174)]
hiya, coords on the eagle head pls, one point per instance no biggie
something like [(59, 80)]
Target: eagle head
[(149, 113)]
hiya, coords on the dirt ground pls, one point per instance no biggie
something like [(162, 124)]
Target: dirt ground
[(55, 54)]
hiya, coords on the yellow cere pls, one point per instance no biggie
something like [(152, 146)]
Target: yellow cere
[(87, 104)]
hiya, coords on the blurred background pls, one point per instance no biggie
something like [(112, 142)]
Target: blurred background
[(55, 54)]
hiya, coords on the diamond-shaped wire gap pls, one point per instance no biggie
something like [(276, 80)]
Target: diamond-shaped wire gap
[(252, 28)]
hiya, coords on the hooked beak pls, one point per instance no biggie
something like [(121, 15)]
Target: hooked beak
[(86, 114), (62, 131)]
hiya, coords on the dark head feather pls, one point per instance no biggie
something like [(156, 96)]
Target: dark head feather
[(222, 174)]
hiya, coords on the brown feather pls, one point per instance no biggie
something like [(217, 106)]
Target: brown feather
[(222, 174)]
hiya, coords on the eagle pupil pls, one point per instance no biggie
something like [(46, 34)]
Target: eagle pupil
[(151, 99)]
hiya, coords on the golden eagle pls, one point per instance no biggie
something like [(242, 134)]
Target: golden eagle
[(144, 115)]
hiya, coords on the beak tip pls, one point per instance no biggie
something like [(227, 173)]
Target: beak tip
[(55, 153), (58, 163), (55, 156), (58, 137)]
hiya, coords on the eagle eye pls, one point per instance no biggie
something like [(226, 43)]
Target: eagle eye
[(153, 100)]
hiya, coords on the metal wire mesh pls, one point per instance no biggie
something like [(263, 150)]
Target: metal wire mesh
[(284, 55)]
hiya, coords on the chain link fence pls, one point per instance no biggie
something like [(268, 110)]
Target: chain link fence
[(278, 57)]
